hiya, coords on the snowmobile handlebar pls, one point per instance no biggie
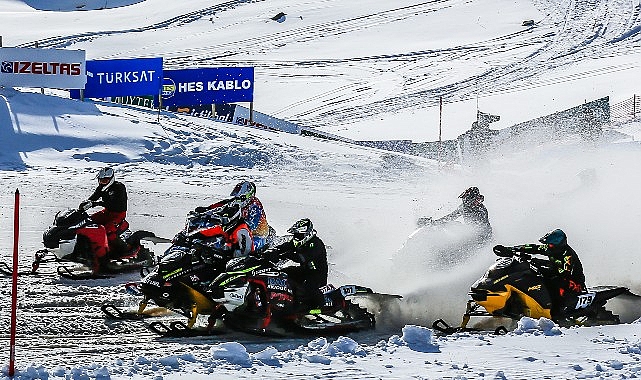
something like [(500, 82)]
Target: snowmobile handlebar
[(502, 251), (86, 205)]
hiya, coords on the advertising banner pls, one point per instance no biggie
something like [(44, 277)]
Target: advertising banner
[(50, 68), (122, 77), (207, 86)]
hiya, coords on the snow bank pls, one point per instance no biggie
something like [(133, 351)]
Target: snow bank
[(532, 326), (417, 338)]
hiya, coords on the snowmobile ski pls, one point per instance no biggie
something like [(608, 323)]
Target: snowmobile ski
[(446, 329), (178, 329), (83, 274), (114, 312), (6, 270)]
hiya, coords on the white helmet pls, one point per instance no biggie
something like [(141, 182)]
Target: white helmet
[(106, 177)]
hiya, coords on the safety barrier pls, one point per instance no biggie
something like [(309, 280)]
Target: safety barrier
[(625, 111)]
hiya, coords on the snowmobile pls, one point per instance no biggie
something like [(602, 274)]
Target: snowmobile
[(198, 276), (514, 287), (197, 255), (436, 246), (252, 295), (70, 239)]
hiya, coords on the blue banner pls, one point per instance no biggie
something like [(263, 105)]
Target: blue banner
[(207, 86), (122, 77)]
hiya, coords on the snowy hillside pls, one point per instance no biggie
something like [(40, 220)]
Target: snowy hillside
[(365, 70)]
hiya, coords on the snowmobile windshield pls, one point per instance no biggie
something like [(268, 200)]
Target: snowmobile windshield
[(495, 271), (200, 222), (173, 254), (69, 217)]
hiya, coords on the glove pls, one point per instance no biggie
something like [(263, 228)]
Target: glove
[(271, 255), (85, 205), (201, 209), (500, 250)]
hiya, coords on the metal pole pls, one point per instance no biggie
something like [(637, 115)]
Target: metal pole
[(14, 287), (159, 106), (42, 90), (251, 112)]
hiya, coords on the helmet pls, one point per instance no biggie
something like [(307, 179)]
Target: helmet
[(472, 196), (302, 231), (244, 192), (106, 177), (555, 239), (229, 214)]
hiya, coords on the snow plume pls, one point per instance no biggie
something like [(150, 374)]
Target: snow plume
[(582, 187)]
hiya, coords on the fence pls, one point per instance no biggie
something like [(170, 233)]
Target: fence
[(627, 110)]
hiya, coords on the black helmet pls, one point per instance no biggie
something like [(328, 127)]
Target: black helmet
[(244, 192), (229, 214), (472, 196), (106, 177), (555, 239), (302, 231)]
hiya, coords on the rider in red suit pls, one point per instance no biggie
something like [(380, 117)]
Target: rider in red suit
[(112, 195)]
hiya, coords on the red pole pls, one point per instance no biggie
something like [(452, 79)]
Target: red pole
[(14, 288), (440, 123)]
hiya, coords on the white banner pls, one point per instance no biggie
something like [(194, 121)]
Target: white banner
[(51, 68)]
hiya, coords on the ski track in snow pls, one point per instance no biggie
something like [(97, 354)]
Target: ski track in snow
[(571, 31)]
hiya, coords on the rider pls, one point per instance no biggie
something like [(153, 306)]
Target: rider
[(308, 250), (112, 195), (252, 211), (237, 237), (473, 212), (563, 272)]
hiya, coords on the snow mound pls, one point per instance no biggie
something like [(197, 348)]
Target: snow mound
[(416, 338), (231, 352), (533, 326)]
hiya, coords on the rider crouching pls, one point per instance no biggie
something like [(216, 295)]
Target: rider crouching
[(563, 271), (308, 250)]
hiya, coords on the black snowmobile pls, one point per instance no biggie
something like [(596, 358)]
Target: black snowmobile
[(178, 281), (70, 239), (514, 287), (253, 295)]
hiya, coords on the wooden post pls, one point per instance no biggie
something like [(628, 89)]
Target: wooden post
[(14, 287)]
